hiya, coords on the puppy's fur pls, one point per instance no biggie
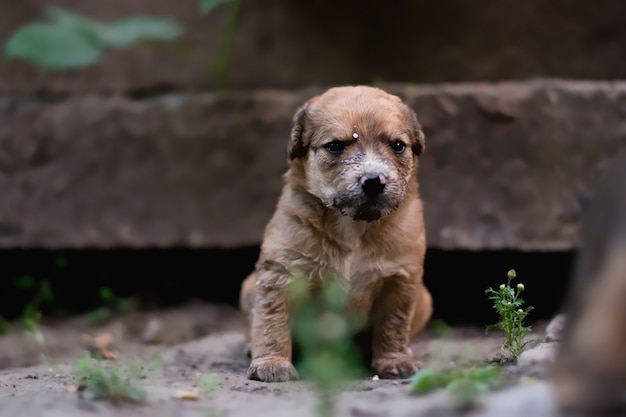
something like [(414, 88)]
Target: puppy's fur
[(590, 369), (349, 208)]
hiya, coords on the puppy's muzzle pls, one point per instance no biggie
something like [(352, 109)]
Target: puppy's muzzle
[(373, 184)]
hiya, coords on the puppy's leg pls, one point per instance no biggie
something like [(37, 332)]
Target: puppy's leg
[(270, 332), (422, 310), (246, 305), (392, 316)]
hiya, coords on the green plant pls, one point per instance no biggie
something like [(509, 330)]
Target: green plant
[(207, 383), (208, 5), (111, 304), (464, 385), (32, 330), (68, 40), (440, 328), (113, 381), (508, 304), (227, 39), (41, 295), (323, 327)]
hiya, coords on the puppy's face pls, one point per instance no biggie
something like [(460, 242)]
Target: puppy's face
[(359, 146)]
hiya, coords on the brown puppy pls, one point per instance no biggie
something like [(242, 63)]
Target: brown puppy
[(350, 208)]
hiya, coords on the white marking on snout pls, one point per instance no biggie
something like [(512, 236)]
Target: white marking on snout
[(374, 165)]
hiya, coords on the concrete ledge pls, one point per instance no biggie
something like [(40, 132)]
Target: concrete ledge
[(504, 166)]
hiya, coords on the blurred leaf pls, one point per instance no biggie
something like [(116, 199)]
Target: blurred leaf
[(61, 262), (100, 316), (127, 32), (327, 367), (121, 33), (116, 383), (440, 328), (207, 5), (31, 316), (83, 26), (107, 295), (24, 282), (485, 374), (428, 379), (135, 369), (84, 364), (70, 40), (464, 384), (207, 383), (52, 46), (125, 305), (46, 291), (64, 17), (335, 296)]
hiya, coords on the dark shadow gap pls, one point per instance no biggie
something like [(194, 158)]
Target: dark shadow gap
[(159, 278), (458, 280)]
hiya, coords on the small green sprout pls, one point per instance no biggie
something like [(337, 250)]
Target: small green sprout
[(207, 383), (464, 385), (111, 382), (112, 304)]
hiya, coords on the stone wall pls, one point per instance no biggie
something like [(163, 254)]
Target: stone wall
[(142, 149), (504, 167)]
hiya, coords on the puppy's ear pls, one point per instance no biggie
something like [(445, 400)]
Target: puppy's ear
[(298, 144), (419, 144)]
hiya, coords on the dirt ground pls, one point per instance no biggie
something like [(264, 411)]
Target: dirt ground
[(190, 343)]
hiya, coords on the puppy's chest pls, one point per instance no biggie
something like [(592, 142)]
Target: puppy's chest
[(358, 253), (356, 263)]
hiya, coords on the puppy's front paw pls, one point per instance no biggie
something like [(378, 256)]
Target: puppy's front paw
[(395, 368), (272, 369)]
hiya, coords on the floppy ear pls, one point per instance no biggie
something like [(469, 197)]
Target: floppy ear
[(298, 144), (419, 144)]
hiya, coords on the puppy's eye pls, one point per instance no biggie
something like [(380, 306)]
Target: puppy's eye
[(335, 147), (398, 146)]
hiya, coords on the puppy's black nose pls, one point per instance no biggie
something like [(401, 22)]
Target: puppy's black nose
[(373, 184)]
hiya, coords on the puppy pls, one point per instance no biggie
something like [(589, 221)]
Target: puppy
[(590, 369), (349, 208)]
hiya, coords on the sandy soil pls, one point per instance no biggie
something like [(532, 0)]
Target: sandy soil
[(194, 341)]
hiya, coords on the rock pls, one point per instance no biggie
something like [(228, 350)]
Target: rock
[(153, 333), (504, 165), (590, 372), (554, 330), (533, 399), (538, 360)]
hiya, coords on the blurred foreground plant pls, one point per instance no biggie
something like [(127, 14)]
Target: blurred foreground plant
[(324, 327)]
